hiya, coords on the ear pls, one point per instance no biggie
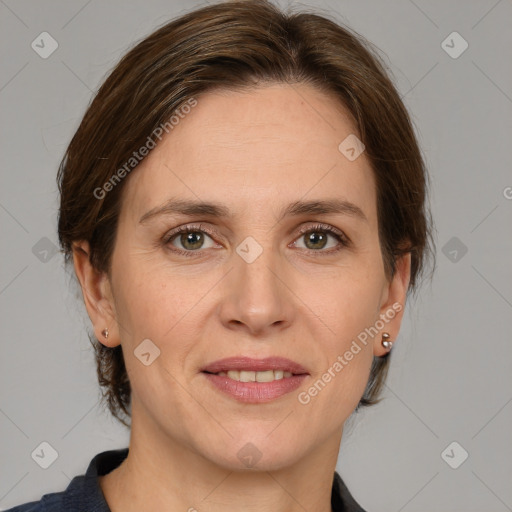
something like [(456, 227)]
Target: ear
[(97, 294), (393, 303)]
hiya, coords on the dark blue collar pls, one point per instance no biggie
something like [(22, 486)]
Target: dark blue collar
[(84, 491)]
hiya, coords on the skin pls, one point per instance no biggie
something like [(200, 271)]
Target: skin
[(254, 151)]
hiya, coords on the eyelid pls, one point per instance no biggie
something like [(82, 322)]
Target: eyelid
[(189, 227), (324, 227), (185, 229)]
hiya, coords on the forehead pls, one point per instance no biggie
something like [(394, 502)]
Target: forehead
[(254, 148)]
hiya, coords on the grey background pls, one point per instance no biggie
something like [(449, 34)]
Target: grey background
[(450, 378)]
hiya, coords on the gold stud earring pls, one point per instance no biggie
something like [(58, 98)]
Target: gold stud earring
[(105, 333)]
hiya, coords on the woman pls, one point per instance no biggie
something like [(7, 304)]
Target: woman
[(244, 204)]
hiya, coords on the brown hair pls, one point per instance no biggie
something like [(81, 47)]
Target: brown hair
[(235, 45)]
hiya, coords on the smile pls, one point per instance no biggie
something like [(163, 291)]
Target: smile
[(262, 376)]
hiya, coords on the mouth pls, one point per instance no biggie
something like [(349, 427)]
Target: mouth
[(247, 369), (255, 380), (253, 376)]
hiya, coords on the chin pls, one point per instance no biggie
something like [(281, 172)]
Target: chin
[(260, 454)]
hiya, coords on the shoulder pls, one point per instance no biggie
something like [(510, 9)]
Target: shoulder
[(342, 500), (53, 502), (83, 492)]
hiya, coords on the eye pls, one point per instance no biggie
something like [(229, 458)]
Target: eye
[(316, 239), (189, 239)]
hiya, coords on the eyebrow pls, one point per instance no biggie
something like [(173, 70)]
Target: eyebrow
[(211, 209)]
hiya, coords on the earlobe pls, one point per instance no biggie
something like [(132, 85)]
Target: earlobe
[(393, 307), (97, 295)]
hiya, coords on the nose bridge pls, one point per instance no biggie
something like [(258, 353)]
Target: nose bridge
[(256, 277), (258, 297)]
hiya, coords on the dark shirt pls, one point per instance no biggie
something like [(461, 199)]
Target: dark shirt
[(84, 493)]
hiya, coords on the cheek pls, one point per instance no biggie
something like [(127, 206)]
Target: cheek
[(346, 305), (349, 310), (164, 308), (144, 297), (337, 387), (151, 308)]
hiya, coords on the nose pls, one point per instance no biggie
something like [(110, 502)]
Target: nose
[(257, 299)]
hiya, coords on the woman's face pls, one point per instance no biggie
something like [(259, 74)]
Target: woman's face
[(247, 282)]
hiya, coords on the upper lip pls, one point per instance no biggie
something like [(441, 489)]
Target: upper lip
[(254, 365)]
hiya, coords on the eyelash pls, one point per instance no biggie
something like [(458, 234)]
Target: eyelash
[(324, 228)]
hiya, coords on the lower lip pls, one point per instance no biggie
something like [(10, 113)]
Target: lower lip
[(255, 392)]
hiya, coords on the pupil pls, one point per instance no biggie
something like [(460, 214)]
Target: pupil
[(187, 239), (316, 237)]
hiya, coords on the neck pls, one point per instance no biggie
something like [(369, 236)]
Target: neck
[(163, 474)]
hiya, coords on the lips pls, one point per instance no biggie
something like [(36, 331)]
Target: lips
[(247, 364), (255, 381)]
